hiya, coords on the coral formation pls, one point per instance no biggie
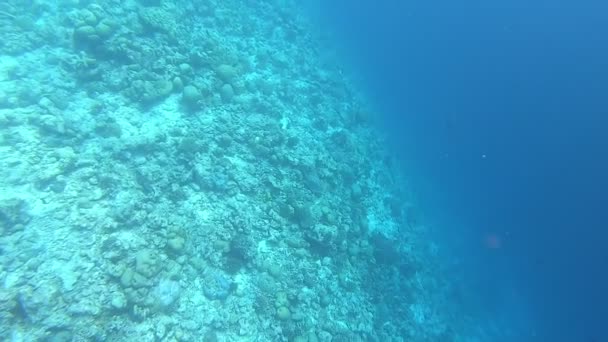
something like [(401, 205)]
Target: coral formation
[(178, 170)]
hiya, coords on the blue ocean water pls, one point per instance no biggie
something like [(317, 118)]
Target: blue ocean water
[(498, 110)]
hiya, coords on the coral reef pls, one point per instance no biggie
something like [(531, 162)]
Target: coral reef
[(180, 170)]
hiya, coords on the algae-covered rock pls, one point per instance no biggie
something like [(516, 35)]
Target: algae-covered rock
[(163, 88), (86, 17), (217, 285), (85, 34), (108, 129), (226, 72), (129, 278), (13, 215), (283, 313), (224, 140), (226, 92), (303, 216), (90, 30), (178, 84), (157, 19), (173, 269), (147, 263), (191, 96), (149, 92), (175, 239), (139, 280), (274, 270), (221, 246), (176, 244), (185, 69), (126, 278), (118, 301), (190, 146), (312, 337), (104, 29), (281, 299), (156, 90)]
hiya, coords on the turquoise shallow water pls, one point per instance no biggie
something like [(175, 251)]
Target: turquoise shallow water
[(177, 170)]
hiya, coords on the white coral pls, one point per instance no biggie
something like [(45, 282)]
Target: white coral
[(166, 293)]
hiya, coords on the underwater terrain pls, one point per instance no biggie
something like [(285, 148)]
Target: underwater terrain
[(201, 171), (217, 170)]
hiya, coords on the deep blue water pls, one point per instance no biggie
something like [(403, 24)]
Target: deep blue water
[(498, 111)]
